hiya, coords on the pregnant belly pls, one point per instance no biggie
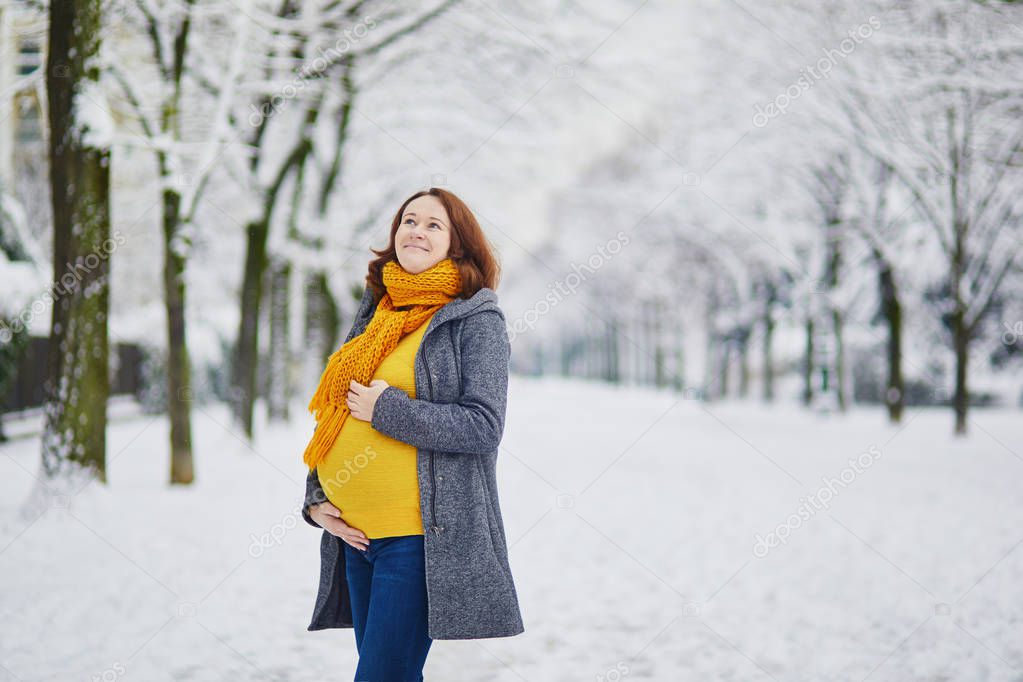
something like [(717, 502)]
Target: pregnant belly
[(372, 479)]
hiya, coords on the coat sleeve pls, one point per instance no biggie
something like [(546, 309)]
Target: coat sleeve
[(475, 423), (313, 495)]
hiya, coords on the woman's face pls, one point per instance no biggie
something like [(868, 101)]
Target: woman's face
[(424, 235)]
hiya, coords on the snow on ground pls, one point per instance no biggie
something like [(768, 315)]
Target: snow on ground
[(632, 517)]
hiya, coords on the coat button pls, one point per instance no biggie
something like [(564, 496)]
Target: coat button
[(440, 478)]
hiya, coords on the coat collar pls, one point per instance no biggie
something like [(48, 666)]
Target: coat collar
[(482, 300)]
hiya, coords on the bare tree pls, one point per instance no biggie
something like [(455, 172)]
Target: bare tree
[(177, 52), (74, 437), (938, 111), (268, 169)]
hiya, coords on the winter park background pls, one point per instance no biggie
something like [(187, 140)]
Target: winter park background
[(763, 277)]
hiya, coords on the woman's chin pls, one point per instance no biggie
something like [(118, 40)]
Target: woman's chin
[(416, 264)]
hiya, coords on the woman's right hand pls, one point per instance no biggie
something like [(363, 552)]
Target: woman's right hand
[(329, 518)]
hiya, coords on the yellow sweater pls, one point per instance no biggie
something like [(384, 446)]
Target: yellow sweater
[(370, 477)]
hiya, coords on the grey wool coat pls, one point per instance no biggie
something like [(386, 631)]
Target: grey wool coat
[(455, 422)]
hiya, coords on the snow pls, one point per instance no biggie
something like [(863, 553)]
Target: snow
[(92, 116), (634, 541), (631, 532), (23, 287)]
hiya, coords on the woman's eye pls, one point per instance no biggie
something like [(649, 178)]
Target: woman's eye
[(434, 225)]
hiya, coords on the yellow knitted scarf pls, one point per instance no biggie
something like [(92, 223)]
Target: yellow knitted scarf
[(359, 358)]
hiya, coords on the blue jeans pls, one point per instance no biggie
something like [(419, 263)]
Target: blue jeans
[(387, 585)]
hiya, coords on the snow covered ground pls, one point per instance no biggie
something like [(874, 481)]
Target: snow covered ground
[(632, 516)]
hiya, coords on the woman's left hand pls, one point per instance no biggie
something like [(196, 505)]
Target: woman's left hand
[(361, 399)]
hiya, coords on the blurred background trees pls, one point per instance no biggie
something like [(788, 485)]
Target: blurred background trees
[(811, 203)]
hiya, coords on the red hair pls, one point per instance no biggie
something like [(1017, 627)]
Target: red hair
[(469, 250)]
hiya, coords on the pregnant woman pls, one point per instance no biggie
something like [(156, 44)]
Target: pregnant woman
[(402, 478)]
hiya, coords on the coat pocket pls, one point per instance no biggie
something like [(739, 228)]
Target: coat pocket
[(457, 483), (490, 514)]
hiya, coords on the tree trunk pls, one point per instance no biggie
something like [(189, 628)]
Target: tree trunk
[(742, 348), (322, 321), (246, 355), (614, 369), (960, 333), (808, 364), (679, 376), (590, 367), (841, 381), (961, 346), (894, 397), (724, 362), (179, 382), (634, 346), (77, 386), (710, 346), (660, 357), (768, 355), (564, 352), (833, 266), (278, 392)]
